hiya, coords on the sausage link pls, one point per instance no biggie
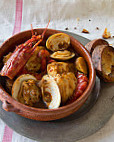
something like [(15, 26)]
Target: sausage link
[(82, 78), (82, 85)]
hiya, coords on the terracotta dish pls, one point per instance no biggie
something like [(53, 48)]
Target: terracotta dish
[(10, 104)]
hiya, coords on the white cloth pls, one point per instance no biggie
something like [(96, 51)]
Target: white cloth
[(62, 13)]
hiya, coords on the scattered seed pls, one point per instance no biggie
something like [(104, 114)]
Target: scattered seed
[(89, 20), (75, 28)]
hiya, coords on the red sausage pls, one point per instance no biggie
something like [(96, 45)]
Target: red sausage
[(82, 78), (79, 75), (78, 93), (82, 86)]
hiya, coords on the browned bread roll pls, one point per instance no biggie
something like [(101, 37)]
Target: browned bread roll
[(90, 46), (103, 58)]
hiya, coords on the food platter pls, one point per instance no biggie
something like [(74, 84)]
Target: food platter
[(72, 128), (98, 109), (70, 88)]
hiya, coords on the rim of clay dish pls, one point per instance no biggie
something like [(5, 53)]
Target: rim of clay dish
[(86, 93)]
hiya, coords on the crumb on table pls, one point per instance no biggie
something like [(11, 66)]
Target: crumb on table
[(106, 34), (66, 28), (85, 31), (97, 28), (78, 19)]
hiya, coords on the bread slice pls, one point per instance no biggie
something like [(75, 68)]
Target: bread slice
[(90, 46), (103, 60)]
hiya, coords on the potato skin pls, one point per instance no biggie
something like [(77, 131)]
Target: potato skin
[(90, 46), (97, 58)]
